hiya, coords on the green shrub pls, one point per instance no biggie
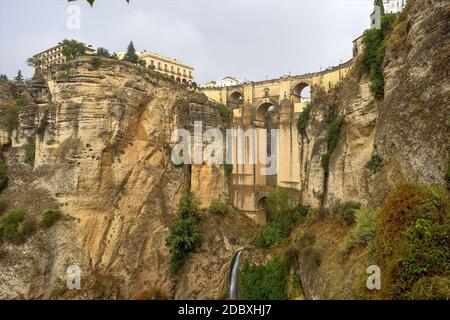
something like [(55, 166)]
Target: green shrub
[(309, 254), (30, 154), (187, 207), (96, 63), (9, 228), (219, 207), (374, 51), (26, 229), (3, 175), (345, 212), (3, 205), (11, 118), (224, 113), (264, 282), (303, 118), (375, 163), (50, 217), (362, 234), (270, 235), (184, 233), (413, 238), (183, 239), (333, 133)]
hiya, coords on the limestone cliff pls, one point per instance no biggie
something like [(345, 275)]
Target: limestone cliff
[(101, 138), (408, 132)]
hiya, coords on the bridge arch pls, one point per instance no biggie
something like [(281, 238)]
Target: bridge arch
[(301, 91), (235, 97), (263, 107)]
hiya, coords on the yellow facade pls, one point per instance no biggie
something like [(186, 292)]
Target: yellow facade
[(171, 67)]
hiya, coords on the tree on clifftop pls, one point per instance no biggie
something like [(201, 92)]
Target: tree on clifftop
[(19, 77), (72, 49), (131, 55), (102, 52)]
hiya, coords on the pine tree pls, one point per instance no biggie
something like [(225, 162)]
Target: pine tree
[(3, 78), (19, 77), (131, 55)]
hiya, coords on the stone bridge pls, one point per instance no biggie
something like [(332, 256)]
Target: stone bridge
[(251, 103)]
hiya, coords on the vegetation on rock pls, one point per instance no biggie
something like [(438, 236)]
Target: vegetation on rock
[(303, 119), (345, 212), (30, 154), (184, 234), (264, 282), (284, 215), (11, 117), (333, 133), (50, 217), (219, 207), (14, 228), (371, 62), (224, 113), (3, 175), (72, 49), (412, 242)]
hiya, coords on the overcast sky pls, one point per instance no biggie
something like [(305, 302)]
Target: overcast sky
[(248, 39)]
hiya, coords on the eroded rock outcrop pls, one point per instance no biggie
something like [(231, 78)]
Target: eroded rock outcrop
[(102, 154)]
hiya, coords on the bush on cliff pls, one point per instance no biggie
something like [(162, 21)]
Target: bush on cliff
[(303, 119), (219, 207), (11, 118), (412, 241), (30, 154), (272, 234), (362, 234), (187, 207), (15, 228), (333, 133), (184, 234), (345, 212), (374, 51), (224, 113), (50, 217), (183, 238), (3, 175), (264, 282)]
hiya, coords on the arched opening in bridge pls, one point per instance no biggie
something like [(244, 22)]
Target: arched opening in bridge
[(236, 97), (265, 113), (301, 93)]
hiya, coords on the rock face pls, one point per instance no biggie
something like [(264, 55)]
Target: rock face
[(102, 154), (408, 130)]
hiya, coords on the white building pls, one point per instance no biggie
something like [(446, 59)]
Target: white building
[(393, 6), (221, 83), (382, 7)]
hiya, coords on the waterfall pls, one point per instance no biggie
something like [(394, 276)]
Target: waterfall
[(234, 294)]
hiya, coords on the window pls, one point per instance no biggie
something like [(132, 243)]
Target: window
[(184, 72), (159, 65), (178, 70), (190, 73), (171, 69), (152, 62), (165, 67)]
